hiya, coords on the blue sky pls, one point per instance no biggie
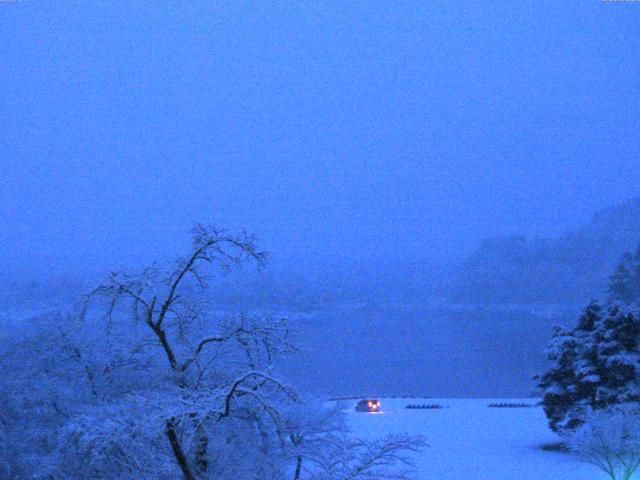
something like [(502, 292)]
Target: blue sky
[(333, 129)]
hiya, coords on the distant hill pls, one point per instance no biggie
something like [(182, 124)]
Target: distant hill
[(571, 268)]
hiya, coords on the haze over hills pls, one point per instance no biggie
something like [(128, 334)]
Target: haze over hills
[(569, 269)]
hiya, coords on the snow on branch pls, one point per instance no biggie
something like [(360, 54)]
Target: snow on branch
[(610, 440)]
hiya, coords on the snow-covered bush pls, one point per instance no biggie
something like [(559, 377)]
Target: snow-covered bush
[(66, 372), (10, 458), (322, 448), (595, 365), (610, 440)]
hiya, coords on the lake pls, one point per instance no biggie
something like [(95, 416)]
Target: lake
[(444, 350)]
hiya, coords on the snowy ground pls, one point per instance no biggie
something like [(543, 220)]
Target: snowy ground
[(470, 440)]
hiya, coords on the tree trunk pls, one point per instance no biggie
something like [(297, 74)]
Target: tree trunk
[(170, 431), (202, 447), (296, 476)]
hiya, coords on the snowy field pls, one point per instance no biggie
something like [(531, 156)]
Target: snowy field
[(470, 440)]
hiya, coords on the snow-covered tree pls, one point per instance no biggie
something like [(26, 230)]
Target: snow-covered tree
[(149, 382), (624, 284), (569, 384), (597, 364), (594, 366), (610, 440)]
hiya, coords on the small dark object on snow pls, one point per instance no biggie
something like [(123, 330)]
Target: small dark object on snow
[(554, 447), (511, 405), (431, 406)]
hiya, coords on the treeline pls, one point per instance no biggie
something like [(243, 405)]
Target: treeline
[(567, 269)]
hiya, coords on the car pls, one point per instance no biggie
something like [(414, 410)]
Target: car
[(368, 405)]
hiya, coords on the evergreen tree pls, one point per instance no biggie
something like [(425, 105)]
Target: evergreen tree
[(617, 339), (596, 365), (569, 385), (624, 284)]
